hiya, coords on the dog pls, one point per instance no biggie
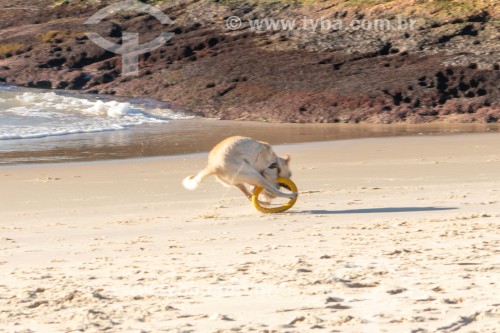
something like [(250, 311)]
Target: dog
[(242, 161)]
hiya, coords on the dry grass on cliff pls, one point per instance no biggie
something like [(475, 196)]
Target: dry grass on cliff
[(52, 36), (9, 49)]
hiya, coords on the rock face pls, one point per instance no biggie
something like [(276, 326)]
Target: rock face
[(444, 65)]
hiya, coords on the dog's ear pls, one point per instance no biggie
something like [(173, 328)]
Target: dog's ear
[(287, 158)]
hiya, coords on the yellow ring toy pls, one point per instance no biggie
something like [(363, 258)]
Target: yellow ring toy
[(285, 182)]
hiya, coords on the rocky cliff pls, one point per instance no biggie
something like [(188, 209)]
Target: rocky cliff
[(289, 61)]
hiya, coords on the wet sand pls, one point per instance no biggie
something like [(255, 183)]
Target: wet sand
[(388, 235), (199, 135)]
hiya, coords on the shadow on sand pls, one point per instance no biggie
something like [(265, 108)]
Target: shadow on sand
[(377, 210)]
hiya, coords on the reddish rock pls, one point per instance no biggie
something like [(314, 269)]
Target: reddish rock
[(447, 69)]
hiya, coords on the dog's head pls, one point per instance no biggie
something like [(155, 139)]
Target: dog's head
[(278, 169), (283, 166)]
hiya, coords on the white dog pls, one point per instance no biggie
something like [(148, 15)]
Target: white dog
[(239, 161)]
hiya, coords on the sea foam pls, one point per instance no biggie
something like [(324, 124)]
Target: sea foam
[(32, 114)]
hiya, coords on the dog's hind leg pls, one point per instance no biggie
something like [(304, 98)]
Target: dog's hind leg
[(192, 182), (244, 190)]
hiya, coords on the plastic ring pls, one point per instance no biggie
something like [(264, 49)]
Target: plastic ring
[(285, 182)]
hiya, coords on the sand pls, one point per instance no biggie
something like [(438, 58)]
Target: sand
[(388, 235)]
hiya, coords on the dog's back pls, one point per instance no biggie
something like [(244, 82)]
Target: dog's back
[(237, 150)]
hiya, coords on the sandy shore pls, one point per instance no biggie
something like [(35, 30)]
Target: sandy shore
[(388, 235)]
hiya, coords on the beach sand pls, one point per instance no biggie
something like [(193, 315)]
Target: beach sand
[(388, 235)]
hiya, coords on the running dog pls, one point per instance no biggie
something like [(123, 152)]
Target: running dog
[(242, 161)]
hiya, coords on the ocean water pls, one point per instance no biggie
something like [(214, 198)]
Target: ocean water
[(44, 126), (29, 114)]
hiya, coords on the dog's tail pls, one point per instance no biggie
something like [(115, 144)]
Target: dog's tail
[(192, 182)]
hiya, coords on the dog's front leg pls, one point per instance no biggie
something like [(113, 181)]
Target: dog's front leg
[(254, 178)]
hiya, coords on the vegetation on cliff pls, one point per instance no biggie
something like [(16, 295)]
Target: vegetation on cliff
[(442, 65)]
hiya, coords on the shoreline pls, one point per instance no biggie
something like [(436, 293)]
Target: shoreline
[(180, 137), (388, 234), (203, 154)]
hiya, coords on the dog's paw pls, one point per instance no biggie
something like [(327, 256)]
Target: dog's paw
[(265, 201), (292, 195)]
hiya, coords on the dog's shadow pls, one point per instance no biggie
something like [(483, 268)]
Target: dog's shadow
[(375, 210)]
